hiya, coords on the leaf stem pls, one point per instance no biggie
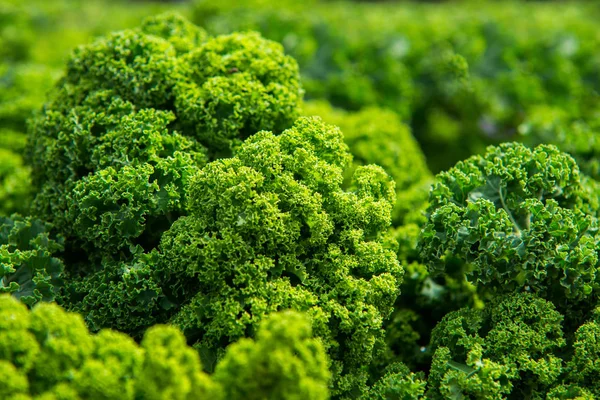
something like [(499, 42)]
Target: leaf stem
[(516, 225)]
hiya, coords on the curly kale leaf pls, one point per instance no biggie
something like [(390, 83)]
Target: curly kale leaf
[(398, 383), (49, 353), (377, 136), (234, 85), (28, 268), (584, 367), (285, 361), (510, 350), (520, 219), (272, 228), (112, 150)]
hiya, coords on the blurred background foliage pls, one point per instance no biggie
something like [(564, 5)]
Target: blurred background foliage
[(461, 74)]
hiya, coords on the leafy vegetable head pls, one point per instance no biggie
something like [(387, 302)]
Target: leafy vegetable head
[(272, 228), (398, 382), (48, 353), (235, 85), (509, 350), (570, 392), (127, 126), (584, 367), (520, 219), (283, 362)]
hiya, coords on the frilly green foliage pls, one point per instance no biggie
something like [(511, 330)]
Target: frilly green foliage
[(128, 296), (126, 126), (171, 370), (584, 367), (509, 350), (29, 269), (519, 219), (425, 298), (517, 348), (49, 354), (284, 362), (269, 229), (398, 383), (511, 221), (569, 392), (272, 228), (164, 204), (108, 173), (235, 85), (377, 136), (183, 35), (133, 65)]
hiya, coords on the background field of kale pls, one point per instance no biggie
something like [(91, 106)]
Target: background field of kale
[(462, 74)]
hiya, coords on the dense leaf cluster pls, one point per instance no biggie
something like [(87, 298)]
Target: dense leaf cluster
[(272, 228), (132, 118), (29, 269), (377, 136), (520, 218), (514, 349), (267, 229), (49, 354), (521, 225)]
